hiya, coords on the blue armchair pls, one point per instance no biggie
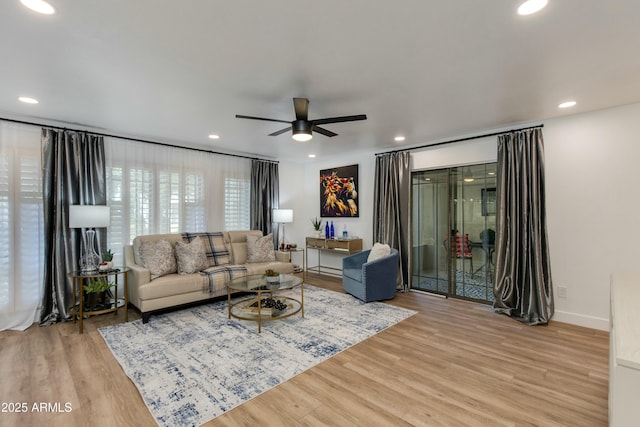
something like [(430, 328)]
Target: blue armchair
[(370, 281)]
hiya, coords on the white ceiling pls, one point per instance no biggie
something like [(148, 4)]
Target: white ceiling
[(176, 71)]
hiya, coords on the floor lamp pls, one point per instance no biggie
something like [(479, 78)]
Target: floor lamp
[(282, 216), (89, 217)]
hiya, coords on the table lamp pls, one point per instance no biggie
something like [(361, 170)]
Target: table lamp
[(89, 217), (282, 216)]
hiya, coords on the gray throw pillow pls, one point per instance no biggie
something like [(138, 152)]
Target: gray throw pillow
[(190, 257), (260, 249), (158, 257)]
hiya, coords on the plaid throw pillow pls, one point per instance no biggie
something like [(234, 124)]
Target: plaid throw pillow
[(214, 247)]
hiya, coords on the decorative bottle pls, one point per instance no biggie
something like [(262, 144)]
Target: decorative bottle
[(345, 234), (327, 234), (333, 231)]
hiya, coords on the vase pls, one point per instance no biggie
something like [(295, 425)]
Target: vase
[(318, 234)]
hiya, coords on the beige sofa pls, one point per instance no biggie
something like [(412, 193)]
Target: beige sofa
[(175, 290)]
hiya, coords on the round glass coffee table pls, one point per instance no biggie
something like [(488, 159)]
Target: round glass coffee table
[(266, 304)]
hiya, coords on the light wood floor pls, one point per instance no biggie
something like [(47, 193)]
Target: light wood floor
[(454, 363)]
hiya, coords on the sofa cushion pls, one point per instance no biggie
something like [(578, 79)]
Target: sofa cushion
[(190, 257), (379, 250), (214, 247), (172, 285), (260, 249), (260, 267), (158, 257), (237, 244)]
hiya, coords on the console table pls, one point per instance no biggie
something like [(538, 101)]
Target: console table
[(342, 247)]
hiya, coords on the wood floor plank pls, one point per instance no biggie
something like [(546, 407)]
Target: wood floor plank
[(453, 363)]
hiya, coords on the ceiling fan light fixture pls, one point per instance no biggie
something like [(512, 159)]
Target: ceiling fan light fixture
[(301, 130), (302, 136)]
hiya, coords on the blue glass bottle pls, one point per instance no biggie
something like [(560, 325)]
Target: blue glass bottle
[(327, 234), (333, 231)]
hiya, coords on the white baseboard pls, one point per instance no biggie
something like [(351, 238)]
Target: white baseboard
[(581, 320)]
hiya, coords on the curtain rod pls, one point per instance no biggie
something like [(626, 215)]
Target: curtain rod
[(164, 144), (486, 135)]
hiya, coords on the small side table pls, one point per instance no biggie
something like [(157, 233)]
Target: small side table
[(296, 250), (77, 280)]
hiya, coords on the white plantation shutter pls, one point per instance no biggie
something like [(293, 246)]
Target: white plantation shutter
[(22, 230), (237, 204), (158, 189)]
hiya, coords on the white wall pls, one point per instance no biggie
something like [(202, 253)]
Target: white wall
[(591, 161), (300, 190), (592, 201)]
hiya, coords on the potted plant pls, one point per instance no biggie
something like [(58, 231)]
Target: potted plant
[(107, 260), (96, 293), (272, 276), (317, 226)]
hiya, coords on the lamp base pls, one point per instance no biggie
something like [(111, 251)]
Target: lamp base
[(89, 260)]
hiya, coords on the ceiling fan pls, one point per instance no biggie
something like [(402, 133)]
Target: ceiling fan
[(302, 127)]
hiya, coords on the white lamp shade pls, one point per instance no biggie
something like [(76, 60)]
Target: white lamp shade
[(89, 216), (282, 215)]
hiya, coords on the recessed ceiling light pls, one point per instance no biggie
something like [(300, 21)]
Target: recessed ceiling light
[(214, 136), (567, 104), (27, 100), (399, 138), (531, 6), (39, 6), (491, 173), (312, 156)]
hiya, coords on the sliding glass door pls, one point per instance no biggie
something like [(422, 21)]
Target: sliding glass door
[(453, 223)]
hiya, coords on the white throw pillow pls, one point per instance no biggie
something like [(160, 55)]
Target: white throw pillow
[(260, 249), (191, 257), (379, 250), (158, 257)]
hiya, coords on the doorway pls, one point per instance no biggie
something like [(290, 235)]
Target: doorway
[(453, 227)]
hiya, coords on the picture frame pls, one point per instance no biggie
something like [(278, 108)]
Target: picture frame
[(488, 196), (339, 192)]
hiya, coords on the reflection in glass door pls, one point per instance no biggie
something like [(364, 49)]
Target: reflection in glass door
[(453, 223)]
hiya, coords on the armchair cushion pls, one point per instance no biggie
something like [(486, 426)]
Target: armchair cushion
[(370, 280)]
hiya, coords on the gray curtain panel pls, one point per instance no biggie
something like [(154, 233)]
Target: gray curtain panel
[(265, 195), (73, 173), (523, 287), (392, 207)]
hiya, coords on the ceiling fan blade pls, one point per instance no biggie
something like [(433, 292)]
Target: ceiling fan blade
[(339, 119), (239, 116), (301, 107), (323, 131), (281, 131)]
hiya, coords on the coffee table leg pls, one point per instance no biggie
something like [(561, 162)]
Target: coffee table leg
[(259, 313), (302, 298), (229, 301)]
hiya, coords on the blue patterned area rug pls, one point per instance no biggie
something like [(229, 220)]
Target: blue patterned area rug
[(193, 365)]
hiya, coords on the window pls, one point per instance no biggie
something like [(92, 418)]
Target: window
[(157, 189), (237, 203)]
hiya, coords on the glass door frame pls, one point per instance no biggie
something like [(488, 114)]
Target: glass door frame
[(467, 213)]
